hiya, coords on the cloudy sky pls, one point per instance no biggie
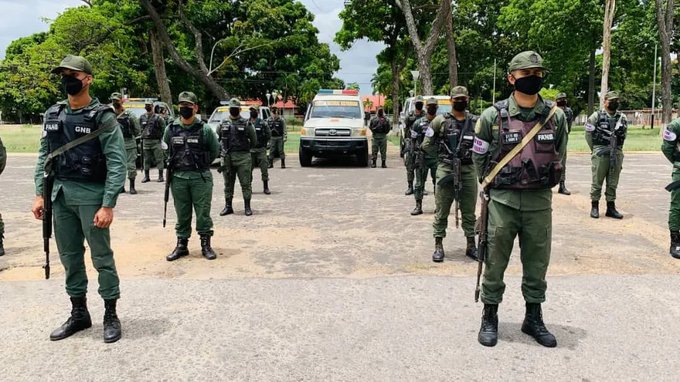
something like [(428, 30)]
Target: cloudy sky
[(24, 17)]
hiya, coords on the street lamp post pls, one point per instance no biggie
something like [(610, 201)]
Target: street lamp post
[(416, 75)]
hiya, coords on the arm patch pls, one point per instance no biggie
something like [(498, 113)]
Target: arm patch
[(480, 147), (590, 127), (669, 135)]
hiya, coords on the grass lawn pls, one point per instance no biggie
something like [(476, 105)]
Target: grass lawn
[(25, 139)]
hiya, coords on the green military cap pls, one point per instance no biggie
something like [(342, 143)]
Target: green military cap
[(116, 96), (76, 63), (526, 60), (187, 97), (254, 107), (561, 95), (432, 101), (234, 102), (611, 95), (419, 99), (148, 101), (459, 91)]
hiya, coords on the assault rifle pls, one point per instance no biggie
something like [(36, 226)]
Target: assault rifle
[(482, 243), (454, 177), (48, 183), (168, 180)]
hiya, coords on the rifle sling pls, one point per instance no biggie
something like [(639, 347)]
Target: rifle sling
[(513, 153)]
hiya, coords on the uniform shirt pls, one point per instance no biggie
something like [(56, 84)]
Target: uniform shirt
[(380, 123), (267, 133), (486, 131), (669, 145), (209, 139), (160, 121), (429, 150), (251, 134), (131, 143), (594, 120), (91, 193), (283, 122), (439, 131)]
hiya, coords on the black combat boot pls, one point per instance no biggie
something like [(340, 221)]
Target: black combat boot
[(160, 176), (409, 190), (612, 212), (438, 255), (595, 209), (112, 329), (2, 245), (180, 250), (419, 208), (283, 162), (533, 325), (675, 244), (488, 332), (266, 187), (146, 177), (246, 203), (228, 210), (271, 163), (563, 189), (79, 320), (206, 249), (471, 249), (384, 165), (373, 163), (132, 187)]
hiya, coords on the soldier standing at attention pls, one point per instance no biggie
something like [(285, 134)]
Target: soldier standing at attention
[(671, 151), (454, 134), (379, 126), (129, 125), (3, 162), (259, 152), (520, 192), (87, 180), (408, 158), (153, 127), (562, 104), (237, 137), (606, 130), (426, 156), (192, 147), (279, 137)]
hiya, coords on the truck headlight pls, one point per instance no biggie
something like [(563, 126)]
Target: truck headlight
[(359, 132), (307, 131)]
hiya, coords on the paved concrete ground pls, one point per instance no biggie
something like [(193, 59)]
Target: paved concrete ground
[(331, 279)]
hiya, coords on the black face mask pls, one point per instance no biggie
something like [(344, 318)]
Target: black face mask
[(71, 85), (529, 85), (613, 105), (460, 105), (419, 106), (380, 113), (186, 112), (253, 114), (561, 103), (431, 110), (234, 111), (148, 109)]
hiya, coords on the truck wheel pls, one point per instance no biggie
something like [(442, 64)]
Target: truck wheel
[(362, 158), (305, 158)]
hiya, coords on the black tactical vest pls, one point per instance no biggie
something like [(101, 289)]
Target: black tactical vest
[(260, 132), (151, 127), (276, 125), (188, 150), (537, 166), (419, 128), (603, 130), (458, 137), (85, 162), (233, 135), (125, 123)]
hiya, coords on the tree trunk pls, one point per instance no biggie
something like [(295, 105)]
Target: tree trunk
[(395, 92), (451, 45), (591, 82), (159, 66), (200, 74), (664, 18), (610, 8)]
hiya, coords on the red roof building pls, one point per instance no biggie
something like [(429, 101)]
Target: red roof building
[(373, 102)]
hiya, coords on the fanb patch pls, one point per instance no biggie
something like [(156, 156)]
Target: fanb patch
[(512, 138), (177, 140), (545, 138), (193, 141)]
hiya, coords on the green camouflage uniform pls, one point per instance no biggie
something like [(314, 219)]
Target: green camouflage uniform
[(238, 162), (600, 157), (278, 139), (512, 213), (379, 127), (153, 151), (131, 143), (3, 162), (259, 152), (75, 204), (671, 151), (427, 155), (408, 158)]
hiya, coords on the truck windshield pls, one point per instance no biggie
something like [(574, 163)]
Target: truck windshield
[(336, 109), (218, 116)]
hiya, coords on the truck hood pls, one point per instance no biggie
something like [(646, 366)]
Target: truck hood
[(348, 123)]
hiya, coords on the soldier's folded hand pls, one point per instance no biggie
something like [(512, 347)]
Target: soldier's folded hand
[(103, 218)]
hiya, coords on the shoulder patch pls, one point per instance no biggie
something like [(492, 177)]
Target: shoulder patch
[(478, 126), (669, 135), (480, 147), (590, 127), (429, 132)]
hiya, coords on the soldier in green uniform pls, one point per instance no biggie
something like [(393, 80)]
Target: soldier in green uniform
[(520, 195), (279, 137), (153, 126), (87, 180), (602, 126), (561, 101), (237, 137), (129, 125), (671, 150), (408, 157), (259, 152), (379, 126), (454, 134), (192, 147), (3, 162), (426, 156)]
